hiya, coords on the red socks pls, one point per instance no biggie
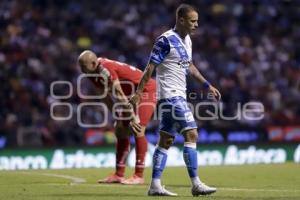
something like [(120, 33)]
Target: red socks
[(122, 149), (141, 146)]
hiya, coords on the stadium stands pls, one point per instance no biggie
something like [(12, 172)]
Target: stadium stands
[(249, 49)]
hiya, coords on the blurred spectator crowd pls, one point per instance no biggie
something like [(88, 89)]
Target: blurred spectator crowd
[(249, 49)]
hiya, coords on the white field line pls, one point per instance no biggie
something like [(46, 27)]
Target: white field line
[(79, 181), (257, 190), (74, 180), (218, 189)]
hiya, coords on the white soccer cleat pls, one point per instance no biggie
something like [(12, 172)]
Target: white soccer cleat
[(160, 191), (202, 189)]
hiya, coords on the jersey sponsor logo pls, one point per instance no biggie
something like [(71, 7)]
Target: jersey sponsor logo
[(184, 61), (184, 64)]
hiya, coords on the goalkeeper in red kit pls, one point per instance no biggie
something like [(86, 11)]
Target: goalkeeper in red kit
[(121, 80)]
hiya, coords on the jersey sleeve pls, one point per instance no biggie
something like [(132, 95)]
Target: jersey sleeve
[(160, 50), (111, 72)]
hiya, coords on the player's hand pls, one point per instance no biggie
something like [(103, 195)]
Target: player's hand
[(134, 100), (135, 126), (215, 92)]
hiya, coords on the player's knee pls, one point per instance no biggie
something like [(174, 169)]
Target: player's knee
[(169, 141), (122, 132), (166, 142), (141, 133), (191, 136)]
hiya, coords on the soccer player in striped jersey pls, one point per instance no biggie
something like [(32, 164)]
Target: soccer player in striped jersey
[(172, 58)]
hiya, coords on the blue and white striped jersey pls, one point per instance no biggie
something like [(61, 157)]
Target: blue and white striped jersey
[(172, 55)]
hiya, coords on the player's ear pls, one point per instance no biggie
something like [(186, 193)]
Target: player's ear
[(181, 20), (93, 65)]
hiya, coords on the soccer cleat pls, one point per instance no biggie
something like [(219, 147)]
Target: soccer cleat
[(134, 180), (112, 179), (202, 189), (161, 191)]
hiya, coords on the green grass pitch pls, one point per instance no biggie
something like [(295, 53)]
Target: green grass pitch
[(251, 182)]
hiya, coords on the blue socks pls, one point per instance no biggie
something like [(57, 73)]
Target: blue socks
[(159, 162), (160, 159), (190, 159)]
